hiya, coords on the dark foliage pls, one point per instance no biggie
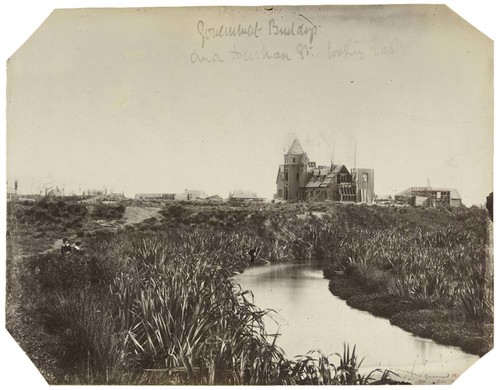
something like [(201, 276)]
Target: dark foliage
[(108, 211), (47, 213)]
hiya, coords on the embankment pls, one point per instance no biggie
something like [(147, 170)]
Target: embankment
[(442, 325)]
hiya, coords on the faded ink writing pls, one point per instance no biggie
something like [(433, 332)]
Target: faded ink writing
[(293, 30), (223, 31), (348, 50), (378, 49), (259, 54), (209, 59), (304, 32)]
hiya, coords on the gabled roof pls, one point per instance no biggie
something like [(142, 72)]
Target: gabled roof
[(55, 192), (211, 197), (295, 148), (323, 176), (338, 167), (240, 194)]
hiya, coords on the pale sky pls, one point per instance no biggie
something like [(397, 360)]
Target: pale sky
[(112, 98)]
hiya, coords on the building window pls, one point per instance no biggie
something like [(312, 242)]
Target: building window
[(297, 176), (294, 159), (286, 176)]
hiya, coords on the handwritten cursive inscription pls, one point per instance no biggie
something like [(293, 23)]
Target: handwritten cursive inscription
[(384, 49), (262, 53), (277, 39), (209, 59), (293, 30), (348, 50), (223, 31)]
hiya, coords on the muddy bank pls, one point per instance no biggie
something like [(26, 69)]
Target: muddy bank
[(444, 326)]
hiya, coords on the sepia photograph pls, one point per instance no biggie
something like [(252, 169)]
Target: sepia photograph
[(243, 194)]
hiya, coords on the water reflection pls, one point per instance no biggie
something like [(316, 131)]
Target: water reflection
[(308, 317)]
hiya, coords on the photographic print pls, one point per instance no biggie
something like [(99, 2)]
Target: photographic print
[(271, 195)]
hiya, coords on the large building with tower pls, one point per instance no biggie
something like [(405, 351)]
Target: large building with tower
[(299, 179)]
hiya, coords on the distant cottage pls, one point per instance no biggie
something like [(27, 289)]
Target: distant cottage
[(191, 195), (300, 179), (240, 196), (54, 192), (214, 198)]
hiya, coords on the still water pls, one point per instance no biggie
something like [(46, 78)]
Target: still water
[(308, 317)]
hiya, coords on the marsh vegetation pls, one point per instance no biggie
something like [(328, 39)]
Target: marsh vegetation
[(157, 302)]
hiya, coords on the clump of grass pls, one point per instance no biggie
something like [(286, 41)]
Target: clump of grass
[(92, 346), (475, 302), (315, 368)]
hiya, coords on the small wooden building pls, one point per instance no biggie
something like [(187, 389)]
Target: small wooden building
[(240, 196)]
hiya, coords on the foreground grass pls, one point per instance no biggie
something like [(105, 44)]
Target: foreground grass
[(33, 229), (155, 304), (163, 309)]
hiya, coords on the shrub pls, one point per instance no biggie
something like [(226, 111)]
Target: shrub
[(49, 213), (174, 211), (89, 335), (108, 212), (474, 301)]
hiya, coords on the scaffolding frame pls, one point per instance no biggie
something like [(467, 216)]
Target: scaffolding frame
[(348, 192), (436, 197)]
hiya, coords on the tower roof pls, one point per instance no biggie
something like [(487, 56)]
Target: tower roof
[(295, 148)]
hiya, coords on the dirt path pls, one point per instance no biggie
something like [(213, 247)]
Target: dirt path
[(136, 214)]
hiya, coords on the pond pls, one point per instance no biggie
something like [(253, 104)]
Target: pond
[(309, 317)]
